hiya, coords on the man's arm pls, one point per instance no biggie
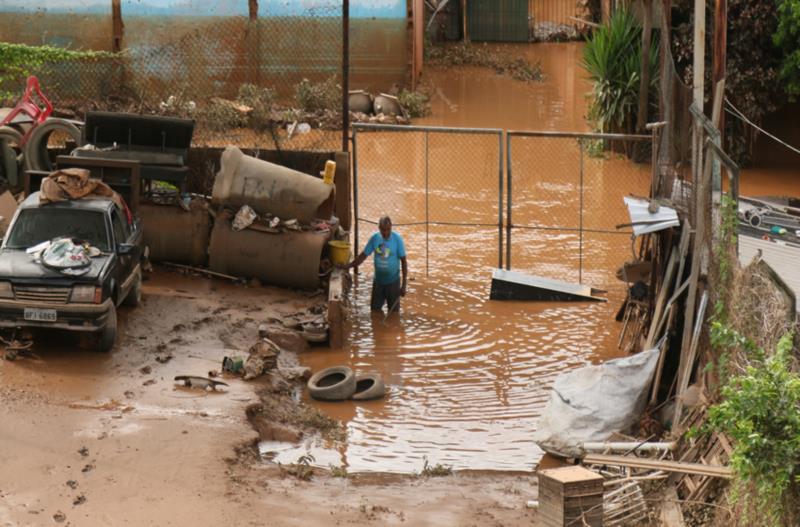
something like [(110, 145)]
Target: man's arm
[(358, 261), (404, 265)]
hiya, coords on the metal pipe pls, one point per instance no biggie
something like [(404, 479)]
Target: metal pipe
[(427, 217), (437, 129), (355, 193), (345, 73), (509, 199), (500, 201), (584, 135), (600, 446), (580, 218)]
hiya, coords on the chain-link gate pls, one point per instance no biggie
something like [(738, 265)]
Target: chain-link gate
[(442, 187), (564, 202)]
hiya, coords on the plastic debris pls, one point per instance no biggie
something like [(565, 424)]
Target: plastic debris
[(244, 218)]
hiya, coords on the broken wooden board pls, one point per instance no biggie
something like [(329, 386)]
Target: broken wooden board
[(511, 285), (654, 464), (336, 291)]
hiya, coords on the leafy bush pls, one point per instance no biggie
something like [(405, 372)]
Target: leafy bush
[(314, 97), (612, 57), (761, 412), (787, 37), (260, 100), (219, 117), (18, 61), (752, 65), (415, 103)]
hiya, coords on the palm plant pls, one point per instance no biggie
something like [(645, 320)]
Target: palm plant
[(612, 57)]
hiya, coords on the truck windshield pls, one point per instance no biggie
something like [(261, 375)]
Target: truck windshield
[(34, 226)]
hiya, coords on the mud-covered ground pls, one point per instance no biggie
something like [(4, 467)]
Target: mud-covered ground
[(91, 439)]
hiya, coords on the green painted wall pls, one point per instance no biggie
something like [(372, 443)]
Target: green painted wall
[(498, 20)]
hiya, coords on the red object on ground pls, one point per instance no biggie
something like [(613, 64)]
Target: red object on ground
[(38, 111)]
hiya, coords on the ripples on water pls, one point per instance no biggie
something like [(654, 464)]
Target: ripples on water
[(467, 377)]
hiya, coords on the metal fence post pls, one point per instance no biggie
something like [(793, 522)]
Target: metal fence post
[(580, 218), (427, 218), (355, 193), (509, 199), (500, 200)]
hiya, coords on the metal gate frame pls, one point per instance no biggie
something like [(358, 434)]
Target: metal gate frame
[(427, 130), (511, 134)]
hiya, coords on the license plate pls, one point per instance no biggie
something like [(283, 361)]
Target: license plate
[(40, 315)]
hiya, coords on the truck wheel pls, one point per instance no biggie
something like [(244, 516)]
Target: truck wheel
[(108, 335), (135, 294)]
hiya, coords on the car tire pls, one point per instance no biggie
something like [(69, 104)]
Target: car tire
[(37, 156), (336, 383), (108, 335), (10, 160), (369, 386), (134, 297)]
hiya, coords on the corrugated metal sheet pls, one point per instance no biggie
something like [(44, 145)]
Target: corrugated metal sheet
[(780, 256), (498, 20)]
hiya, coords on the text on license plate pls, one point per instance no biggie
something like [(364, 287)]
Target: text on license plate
[(40, 315)]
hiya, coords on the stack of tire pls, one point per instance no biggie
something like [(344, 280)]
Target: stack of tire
[(33, 155), (340, 383)]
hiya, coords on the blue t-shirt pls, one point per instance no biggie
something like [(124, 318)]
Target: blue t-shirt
[(387, 256)]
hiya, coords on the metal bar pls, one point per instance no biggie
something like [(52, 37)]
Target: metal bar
[(584, 135), (509, 199), (438, 129), (500, 201), (580, 218), (442, 223), (571, 229), (427, 215), (345, 73), (355, 193)]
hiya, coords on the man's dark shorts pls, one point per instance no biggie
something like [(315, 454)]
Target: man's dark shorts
[(388, 294)]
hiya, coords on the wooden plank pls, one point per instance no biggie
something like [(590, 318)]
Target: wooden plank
[(336, 288), (653, 464), (671, 514), (685, 371)]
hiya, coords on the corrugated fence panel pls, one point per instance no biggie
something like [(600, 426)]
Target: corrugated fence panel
[(556, 12), (498, 20)]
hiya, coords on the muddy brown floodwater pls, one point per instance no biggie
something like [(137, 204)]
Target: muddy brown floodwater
[(467, 376)]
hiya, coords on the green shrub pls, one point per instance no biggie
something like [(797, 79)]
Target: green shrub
[(18, 61), (761, 412), (260, 100), (415, 103), (315, 97), (612, 57), (787, 37), (219, 117)]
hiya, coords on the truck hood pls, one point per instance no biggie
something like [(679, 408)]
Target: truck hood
[(17, 265)]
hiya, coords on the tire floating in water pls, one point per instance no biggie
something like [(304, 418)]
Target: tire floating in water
[(336, 383), (369, 386)]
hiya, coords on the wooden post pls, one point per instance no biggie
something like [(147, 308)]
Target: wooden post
[(644, 77), (699, 52), (343, 197), (117, 27), (252, 9), (345, 75), (464, 20), (720, 55), (336, 289)]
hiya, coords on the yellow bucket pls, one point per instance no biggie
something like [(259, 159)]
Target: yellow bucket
[(340, 252)]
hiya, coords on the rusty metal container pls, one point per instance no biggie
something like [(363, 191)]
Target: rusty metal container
[(176, 235), (271, 188), (289, 259)]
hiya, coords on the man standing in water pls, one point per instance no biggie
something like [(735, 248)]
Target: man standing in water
[(390, 257)]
